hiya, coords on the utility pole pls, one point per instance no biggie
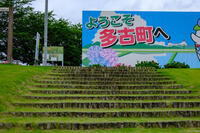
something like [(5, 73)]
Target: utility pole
[(10, 35), (45, 33)]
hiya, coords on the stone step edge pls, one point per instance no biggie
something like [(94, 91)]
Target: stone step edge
[(104, 82), (106, 87), (105, 73), (182, 113), (102, 125), (111, 97), (104, 76), (108, 79), (42, 91), (92, 105)]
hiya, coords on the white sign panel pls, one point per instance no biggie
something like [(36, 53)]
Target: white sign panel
[(4, 9)]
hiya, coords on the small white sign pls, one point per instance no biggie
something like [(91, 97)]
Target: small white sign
[(53, 59), (4, 9)]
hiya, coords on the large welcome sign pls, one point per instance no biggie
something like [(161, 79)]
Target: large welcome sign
[(111, 38)]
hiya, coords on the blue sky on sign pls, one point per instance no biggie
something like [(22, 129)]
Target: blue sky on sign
[(72, 9)]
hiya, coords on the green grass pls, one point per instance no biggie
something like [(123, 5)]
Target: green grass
[(63, 89), (190, 78), (21, 109), (103, 95), (95, 120), (13, 81), (104, 101)]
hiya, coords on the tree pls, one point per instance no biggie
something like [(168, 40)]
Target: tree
[(19, 12), (28, 22), (64, 33)]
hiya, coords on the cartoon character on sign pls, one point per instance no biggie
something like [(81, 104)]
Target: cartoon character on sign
[(196, 38)]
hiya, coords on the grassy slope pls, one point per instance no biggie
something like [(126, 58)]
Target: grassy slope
[(13, 81), (14, 78), (190, 78)]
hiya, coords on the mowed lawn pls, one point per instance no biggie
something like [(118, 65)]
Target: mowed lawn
[(14, 81), (190, 78)]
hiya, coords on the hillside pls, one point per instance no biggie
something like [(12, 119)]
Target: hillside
[(13, 81), (38, 93)]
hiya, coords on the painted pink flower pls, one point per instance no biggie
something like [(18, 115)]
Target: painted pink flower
[(110, 55)]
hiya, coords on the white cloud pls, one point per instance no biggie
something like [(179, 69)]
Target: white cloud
[(72, 9)]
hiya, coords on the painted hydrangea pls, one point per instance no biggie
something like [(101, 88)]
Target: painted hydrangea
[(104, 57), (100, 60), (110, 55), (93, 52)]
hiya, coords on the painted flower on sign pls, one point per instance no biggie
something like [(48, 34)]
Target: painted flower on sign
[(104, 57), (110, 55)]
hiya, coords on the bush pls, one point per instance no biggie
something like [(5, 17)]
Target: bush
[(122, 65), (148, 64), (176, 65), (95, 65)]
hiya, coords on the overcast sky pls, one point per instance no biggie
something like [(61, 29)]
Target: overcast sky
[(72, 9)]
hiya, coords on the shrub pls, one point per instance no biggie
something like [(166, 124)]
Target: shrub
[(148, 64), (176, 65), (95, 65), (122, 65)]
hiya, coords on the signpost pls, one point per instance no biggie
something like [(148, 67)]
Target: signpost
[(10, 32)]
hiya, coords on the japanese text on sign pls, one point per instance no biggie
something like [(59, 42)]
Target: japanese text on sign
[(125, 36)]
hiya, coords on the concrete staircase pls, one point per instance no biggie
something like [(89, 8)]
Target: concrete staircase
[(80, 98)]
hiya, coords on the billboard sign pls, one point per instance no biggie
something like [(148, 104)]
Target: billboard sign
[(127, 37)]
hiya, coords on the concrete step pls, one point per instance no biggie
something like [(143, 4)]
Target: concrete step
[(93, 92), (90, 114), (111, 97), (102, 125), (108, 87), (91, 105), (106, 72), (104, 82), (104, 75), (115, 79)]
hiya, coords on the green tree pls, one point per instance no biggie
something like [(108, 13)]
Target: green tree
[(63, 33), (27, 23), (20, 15)]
